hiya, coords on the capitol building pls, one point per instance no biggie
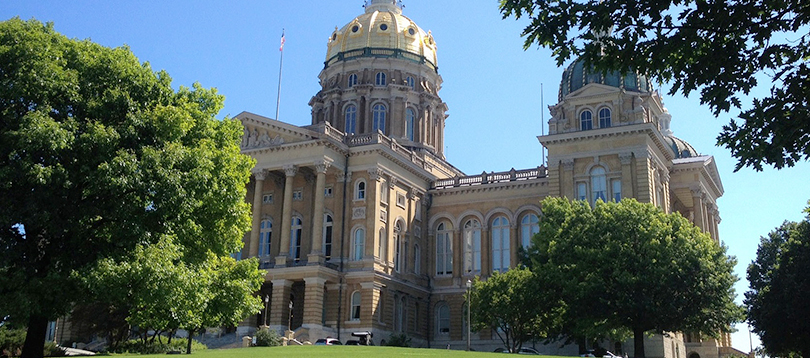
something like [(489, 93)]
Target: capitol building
[(362, 223)]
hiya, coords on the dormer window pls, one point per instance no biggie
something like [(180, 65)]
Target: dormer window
[(379, 79)]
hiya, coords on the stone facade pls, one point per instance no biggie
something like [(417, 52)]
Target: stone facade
[(362, 224)]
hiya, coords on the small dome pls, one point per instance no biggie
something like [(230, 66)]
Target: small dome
[(680, 147), (382, 31), (577, 76)]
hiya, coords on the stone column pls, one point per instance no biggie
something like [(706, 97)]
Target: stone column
[(316, 255), (280, 305), (259, 176), (514, 242), (392, 198), (372, 211), (458, 253), (486, 251), (286, 216), (313, 301), (627, 175), (697, 204), (567, 185)]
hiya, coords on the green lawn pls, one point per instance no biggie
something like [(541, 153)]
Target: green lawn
[(330, 352)]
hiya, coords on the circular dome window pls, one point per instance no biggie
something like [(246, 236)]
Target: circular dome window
[(383, 27), (355, 28), (411, 31)]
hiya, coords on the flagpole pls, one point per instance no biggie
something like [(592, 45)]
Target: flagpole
[(280, 66), (542, 124)]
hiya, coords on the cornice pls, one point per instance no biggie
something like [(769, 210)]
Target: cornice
[(489, 187)]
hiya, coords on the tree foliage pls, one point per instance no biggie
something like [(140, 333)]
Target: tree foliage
[(100, 156), (722, 49), (777, 302), (629, 266), (515, 305)]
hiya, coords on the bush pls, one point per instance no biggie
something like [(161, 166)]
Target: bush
[(177, 344), (267, 338), (11, 341), (399, 340), (52, 350)]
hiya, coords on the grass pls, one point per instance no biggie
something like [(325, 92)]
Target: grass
[(330, 352)]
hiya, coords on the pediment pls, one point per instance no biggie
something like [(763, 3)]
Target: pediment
[(263, 132), (592, 89)]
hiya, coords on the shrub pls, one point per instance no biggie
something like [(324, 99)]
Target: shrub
[(267, 338), (11, 341), (177, 344), (52, 350), (399, 340)]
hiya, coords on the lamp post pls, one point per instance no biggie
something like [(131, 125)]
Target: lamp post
[(469, 309), (266, 308)]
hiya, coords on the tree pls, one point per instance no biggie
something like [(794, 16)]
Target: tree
[(777, 302), (515, 306), (628, 265), (720, 48), (98, 156)]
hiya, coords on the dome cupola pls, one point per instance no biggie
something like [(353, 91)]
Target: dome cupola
[(382, 31), (577, 75)]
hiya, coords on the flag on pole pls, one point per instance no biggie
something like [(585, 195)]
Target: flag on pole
[(281, 48)]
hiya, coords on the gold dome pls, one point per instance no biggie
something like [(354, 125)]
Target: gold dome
[(381, 32)]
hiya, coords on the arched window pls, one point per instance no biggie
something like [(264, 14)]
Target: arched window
[(295, 238), (265, 236), (598, 184), (402, 314), (444, 250), (360, 190), (586, 120), (355, 312), (397, 246), (379, 79), (443, 319), (410, 119), (582, 191), (352, 80), (378, 114), (327, 236), (359, 245), (617, 189), (410, 82), (500, 244), (351, 119), (604, 118), (472, 246), (529, 226), (417, 259)]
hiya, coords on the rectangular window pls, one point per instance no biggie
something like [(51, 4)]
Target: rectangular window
[(267, 198), (417, 212), (401, 200), (582, 191), (384, 192), (383, 215), (298, 195), (327, 192), (617, 190)]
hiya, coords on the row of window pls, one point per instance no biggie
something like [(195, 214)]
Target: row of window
[(599, 187), (378, 114), (401, 313), (586, 119), (298, 195), (471, 242), (266, 234), (380, 79)]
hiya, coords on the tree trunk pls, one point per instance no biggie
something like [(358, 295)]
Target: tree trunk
[(638, 343), (35, 338), (188, 347)]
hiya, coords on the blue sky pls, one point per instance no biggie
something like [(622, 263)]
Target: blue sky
[(491, 85)]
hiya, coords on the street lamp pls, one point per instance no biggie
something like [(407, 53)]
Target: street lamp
[(469, 309), (266, 308)]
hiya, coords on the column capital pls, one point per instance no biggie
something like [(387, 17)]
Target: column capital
[(281, 283), (314, 280), (344, 177), (375, 173), (290, 170), (626, 158), (568, 164), (259, 174), (321, 166), (392, 182)]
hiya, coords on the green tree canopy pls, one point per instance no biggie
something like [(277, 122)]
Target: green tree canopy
[(516, 306), (98, 156), (628, 265), (722, 49), (778, 301)]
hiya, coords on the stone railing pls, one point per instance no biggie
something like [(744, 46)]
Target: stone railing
[(490, 178), (379, 138)]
